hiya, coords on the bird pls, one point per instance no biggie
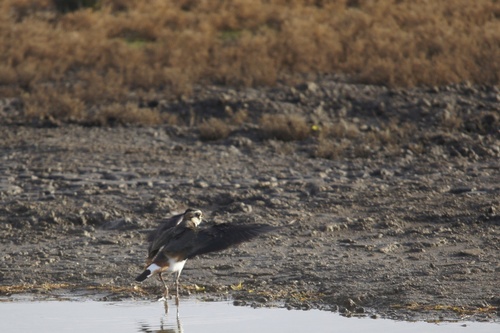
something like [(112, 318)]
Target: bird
[(157, 237), (180, 238)]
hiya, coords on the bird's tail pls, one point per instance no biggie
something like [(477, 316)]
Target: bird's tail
[(148, 272)]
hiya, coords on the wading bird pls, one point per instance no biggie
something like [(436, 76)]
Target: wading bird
[(180, 238)]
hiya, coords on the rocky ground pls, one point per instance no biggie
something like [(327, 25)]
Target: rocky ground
[(412, 233)]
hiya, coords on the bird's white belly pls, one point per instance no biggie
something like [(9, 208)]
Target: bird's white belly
[(176, 266)]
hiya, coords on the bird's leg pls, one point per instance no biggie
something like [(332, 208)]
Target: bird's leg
[(179, 325), (165, 306), (165, 294), (177, 288)]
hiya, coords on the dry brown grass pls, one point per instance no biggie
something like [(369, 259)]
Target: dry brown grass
[(130, 113), (99, 55), (346, 139), (237, 118), (330, 149), (44, 103), (214, 129), (284, 127)]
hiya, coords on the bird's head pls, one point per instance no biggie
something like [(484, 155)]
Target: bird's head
[(193, 217)]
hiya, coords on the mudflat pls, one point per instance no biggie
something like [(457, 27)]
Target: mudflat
[(406, 232)]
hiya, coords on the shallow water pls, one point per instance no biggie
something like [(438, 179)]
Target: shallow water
[(194, 316)]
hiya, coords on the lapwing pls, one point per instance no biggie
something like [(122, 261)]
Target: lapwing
[(180, 239), (156, 239)]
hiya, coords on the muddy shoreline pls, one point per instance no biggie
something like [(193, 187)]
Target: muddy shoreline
[(402, 235)]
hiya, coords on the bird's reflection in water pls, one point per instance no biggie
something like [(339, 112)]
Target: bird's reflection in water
[(167, 323)]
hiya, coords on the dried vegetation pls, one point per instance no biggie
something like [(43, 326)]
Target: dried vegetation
[(214, 129), (349, 139), (284, 127), (94, 62), (174, 44)]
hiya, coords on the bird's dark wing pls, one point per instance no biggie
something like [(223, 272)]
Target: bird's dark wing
[(165, 225), (178, 242), (157, 238), (221, 236)]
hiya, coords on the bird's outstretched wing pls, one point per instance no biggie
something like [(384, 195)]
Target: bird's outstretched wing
[(221, 236)]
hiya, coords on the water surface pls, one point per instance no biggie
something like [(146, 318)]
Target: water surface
[(195, 316)]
